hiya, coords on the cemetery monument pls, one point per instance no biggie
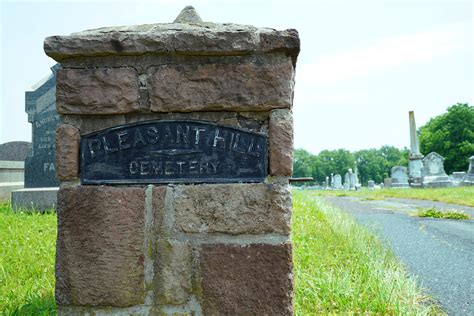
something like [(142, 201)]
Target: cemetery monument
[(469, 177), (12, 165), (174, 152), (338, 182), (434, 175), (371, 184), (399, 177), (347, 180), (415, 158), (457, 178), (41, 183)]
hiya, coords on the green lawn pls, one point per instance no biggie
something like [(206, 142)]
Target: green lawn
[(339, 266), (27, 246), (458, 195)]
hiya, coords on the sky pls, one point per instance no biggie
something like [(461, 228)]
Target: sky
[(363, 64)]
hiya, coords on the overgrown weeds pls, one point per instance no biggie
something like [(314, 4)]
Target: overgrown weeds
[(435, 213), (340, 267)]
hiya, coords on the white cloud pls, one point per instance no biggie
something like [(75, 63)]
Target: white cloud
[(390, 52)]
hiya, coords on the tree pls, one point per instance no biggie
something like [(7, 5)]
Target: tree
[(302, 165), (451, 135), (375, 164)]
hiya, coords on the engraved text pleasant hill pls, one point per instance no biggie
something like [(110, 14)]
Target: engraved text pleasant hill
[(178, 149)]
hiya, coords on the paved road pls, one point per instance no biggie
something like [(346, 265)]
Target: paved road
[(440, 252)]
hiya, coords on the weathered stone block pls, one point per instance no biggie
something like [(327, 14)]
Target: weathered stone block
[(233, 208), (93, 123), (281, 142), (285, 40), (239, 85), (159, 195), (97, 91), (246, 280), (197, 38), (100, 247), (172, 272), (67, 152)]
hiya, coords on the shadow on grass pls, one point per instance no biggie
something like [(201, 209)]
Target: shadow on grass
[(35, 305)]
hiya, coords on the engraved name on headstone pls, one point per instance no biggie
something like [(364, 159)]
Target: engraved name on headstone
[(40, 104), (173, 152)]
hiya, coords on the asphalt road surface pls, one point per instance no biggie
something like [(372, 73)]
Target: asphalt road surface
[(439, 252)]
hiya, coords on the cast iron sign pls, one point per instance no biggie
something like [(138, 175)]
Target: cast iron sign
[(173, 152)]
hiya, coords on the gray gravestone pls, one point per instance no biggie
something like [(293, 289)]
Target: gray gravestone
[(353, 182), (347, 181), (433, 171), (371, 184), (338, 182), (469, 177), (40, 105), (350, 180), (457, 178), (12, 165), (357, 184), (399, 177), (40, 181), (14, 151)]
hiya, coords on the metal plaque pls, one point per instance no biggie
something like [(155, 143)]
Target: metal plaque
[(173, 152)]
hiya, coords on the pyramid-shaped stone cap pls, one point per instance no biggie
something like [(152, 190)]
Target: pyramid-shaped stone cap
[(188, 35)]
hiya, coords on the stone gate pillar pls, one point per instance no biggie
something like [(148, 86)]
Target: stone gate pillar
[(174, 152)]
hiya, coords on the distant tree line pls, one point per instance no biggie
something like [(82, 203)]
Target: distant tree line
[(450, 134), (372, 164)]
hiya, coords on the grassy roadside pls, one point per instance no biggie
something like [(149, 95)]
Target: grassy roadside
[(342, 268), (458, 195), (339, 267), (27, 246)]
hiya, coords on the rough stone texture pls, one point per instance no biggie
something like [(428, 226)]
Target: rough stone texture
[(99, 253), (281, 142), (159, 195), (233, 208), (286, 41), (188, 15), (91, 124), (258, 122), (172, 272), (97, 91), (247, 280), (67, 152), (258, 85), (197, 38)]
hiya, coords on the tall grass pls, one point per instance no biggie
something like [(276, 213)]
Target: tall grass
[(342, 268), (27, 247), (457, 195), (339, 267)]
